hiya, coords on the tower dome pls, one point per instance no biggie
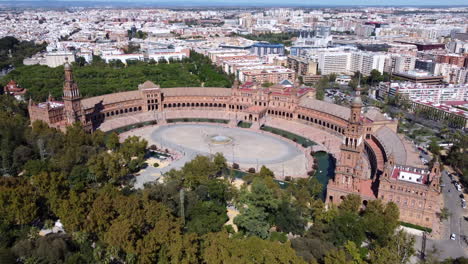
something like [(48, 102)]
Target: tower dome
[(67, 66), (356, 101)]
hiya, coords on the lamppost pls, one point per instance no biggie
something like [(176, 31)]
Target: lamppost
[(233, 161)]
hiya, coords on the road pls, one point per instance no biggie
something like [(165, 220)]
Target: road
[(454, 225)]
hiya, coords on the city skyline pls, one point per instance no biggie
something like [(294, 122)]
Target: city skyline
[(242, 3)]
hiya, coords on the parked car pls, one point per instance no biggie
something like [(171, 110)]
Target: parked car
[(462, 196), (453, 237)]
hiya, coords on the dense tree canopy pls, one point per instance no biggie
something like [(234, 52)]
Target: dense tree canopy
[(13, 51), (100, 78), (85, 180)]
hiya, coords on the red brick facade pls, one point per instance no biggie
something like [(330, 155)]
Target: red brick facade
[(364, 164)]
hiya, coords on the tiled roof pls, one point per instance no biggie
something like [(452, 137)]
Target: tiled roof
[(110, 98), (393, 144), (332, 109), (375, 115), (197, 91), (147, 85)]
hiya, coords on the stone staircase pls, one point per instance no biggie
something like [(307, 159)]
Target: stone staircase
[(233, 123), (255, 126)]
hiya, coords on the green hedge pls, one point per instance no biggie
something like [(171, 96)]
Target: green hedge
[(422, 228), (130, 127), (243, 124), (205, 120), (305, 142)]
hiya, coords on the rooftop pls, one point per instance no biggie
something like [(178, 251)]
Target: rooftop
[(410, 174)]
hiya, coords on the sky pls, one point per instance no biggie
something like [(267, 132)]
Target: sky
[(262, 2)]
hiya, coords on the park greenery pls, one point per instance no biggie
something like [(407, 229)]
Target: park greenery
[(13, 51), (86, 180), (284, 38), (100, 78)]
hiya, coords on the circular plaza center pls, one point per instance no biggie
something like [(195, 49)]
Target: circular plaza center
[(248, 148)]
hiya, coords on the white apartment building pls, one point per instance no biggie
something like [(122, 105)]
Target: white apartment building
[(365, 62), (400, 63), (55, 59), (365, 30), (350, 62), (334, 62), (452, 73), (177, 54), (457, 46), (422, 92)]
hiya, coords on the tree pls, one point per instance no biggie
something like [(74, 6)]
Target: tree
[(132, 147), (53, 248), (206, 217), (288, 219), (260, 196), (18, 201), (73, 210), (220, 162), (311, 249), (347, 226), (265, 173), (434, 148), (444, 214), (80, 61), (399, 249), (253, 222), (375, 76), (332, 77), (6, 256), (381, 220), (195, 172), (351, 203), (112, 141), (337, 257), (219, 248)]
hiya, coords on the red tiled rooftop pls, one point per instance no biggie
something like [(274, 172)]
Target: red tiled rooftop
[(417, 172)]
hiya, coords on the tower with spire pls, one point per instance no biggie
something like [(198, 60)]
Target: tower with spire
[(349, 170), (71, 97)]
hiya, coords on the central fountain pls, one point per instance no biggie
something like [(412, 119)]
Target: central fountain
[(220, 139)]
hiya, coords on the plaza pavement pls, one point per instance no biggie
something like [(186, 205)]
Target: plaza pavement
[(249, 148)]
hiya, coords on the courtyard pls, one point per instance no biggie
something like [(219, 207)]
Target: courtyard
[(248, 148)]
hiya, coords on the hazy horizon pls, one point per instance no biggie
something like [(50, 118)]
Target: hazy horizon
[(241, 3)]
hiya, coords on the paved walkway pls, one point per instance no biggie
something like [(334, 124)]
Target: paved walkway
[(250, 149)]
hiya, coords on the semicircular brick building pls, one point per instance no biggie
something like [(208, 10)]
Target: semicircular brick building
[(372, 159)]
